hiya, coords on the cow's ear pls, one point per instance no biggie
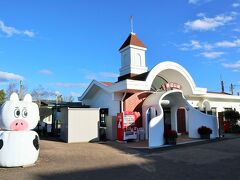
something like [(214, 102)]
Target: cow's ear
[(27, 98), (14, 97)]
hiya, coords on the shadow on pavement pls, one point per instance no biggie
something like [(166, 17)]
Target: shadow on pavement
[(116, 173)]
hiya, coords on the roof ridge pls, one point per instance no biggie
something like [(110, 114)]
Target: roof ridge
[(132, 39)]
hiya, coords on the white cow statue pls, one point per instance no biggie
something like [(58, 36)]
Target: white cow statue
[(19, 145)]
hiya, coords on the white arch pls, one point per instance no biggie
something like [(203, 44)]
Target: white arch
[(204, 104), (181, 74)]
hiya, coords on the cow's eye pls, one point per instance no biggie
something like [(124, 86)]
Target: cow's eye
[(24, 113), (16, 112)]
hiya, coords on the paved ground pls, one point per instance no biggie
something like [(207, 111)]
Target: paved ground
[(216, 160)]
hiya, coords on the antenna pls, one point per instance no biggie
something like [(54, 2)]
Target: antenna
[(222, 83), (131, 20), (231, 88)]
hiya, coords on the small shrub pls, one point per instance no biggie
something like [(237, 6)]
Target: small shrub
[(204, 130), (168, 133)]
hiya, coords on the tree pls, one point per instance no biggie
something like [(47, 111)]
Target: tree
[(68, 98), (12, 87), (40, 93), (2, 96), (232, 117)]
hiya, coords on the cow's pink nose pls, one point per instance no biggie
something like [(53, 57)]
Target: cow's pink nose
[(19, 125)]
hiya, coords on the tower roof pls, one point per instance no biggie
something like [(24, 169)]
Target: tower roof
[(132, 40)]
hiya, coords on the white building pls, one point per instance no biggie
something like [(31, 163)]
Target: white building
[(165, 96)]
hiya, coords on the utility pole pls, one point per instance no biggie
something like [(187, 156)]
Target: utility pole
[(231, 88), (222, 86)]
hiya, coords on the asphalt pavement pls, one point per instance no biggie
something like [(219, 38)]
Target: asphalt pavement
[(111, 160)]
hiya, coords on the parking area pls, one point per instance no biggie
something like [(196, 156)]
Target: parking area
[(112, 160)]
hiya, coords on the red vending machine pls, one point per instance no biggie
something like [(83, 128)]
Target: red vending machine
[(126, 125)]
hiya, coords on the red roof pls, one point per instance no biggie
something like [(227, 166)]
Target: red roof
[(107, 83), (132, 40)]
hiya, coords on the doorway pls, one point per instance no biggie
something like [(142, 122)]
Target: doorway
[(181, 120), (167, 118)]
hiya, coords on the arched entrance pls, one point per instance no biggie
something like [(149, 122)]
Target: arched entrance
[(160, 110)]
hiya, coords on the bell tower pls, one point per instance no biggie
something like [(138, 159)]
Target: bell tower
[(132, 57)]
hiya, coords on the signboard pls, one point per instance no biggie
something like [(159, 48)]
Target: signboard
[(126, 126), (170, 86)]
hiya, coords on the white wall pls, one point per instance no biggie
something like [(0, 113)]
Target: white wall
[(82, 125), (133, 60), (103, 99), (219, 104), (197, 119)]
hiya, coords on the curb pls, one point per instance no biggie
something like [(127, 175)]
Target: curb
[(171, 147)]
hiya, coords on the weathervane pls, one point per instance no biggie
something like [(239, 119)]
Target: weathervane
[(131, 20)]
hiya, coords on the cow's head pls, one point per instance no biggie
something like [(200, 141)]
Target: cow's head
[(18, 115)]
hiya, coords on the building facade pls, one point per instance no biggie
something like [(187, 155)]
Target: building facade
[(165, 96)]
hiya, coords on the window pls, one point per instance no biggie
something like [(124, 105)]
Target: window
[(137, 60)]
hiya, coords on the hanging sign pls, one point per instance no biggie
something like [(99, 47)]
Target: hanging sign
[(170, 86)]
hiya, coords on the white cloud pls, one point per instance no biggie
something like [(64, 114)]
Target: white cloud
[(235, 65), (201, 15), (193, 1), (236, 29), (71, 85), (235, 5), (192, 45), (45, 72), (228, 44), (212, 54), (208, 46), (10, 31), (6, 76), (57, 93), (195, 45), (28, 33), (206, 24)]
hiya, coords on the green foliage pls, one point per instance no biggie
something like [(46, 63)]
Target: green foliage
[(232, 117), (235, 129), (2, 96)]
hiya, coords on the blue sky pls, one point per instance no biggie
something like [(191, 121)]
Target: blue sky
[(64, 44)]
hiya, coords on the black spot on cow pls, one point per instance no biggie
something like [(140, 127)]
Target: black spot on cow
[(1, 144), (36, 142)]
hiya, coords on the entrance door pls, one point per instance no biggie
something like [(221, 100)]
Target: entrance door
[(167, 118), (181, 120)]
